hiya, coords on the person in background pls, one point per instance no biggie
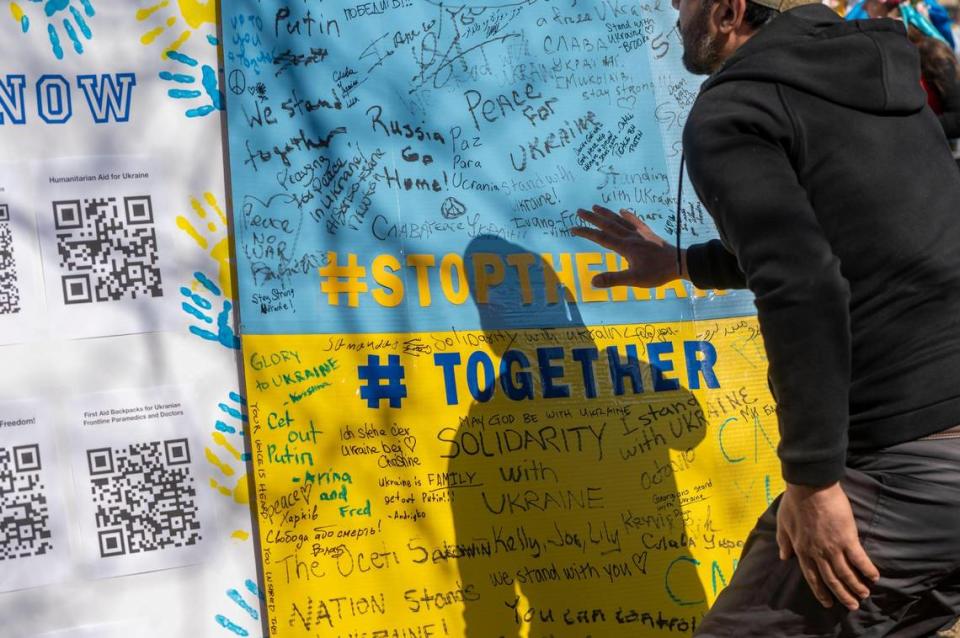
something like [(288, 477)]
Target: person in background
[(940, 78)]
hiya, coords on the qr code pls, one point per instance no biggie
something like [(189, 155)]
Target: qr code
[(108, 249), (145, 497), (9, 293), (24, 518)]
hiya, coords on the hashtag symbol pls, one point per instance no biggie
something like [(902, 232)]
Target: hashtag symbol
[(374, 372), (336, 280)]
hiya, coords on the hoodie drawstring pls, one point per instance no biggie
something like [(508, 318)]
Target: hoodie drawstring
[(683, 158)]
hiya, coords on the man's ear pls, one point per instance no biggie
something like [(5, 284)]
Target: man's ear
[(728, 15)]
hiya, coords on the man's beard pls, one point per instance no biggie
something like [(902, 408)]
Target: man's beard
[(701, 51)]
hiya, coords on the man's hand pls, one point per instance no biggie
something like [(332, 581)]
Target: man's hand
[(651, 261), (816, 524)]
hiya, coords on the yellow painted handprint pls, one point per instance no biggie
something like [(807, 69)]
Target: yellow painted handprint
[(193, 13), (19, 16), (209, 230)]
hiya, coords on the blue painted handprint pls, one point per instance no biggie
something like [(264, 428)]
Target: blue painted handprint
[(229, 456), (201, 308), (60, 13), (209, 80), (235, 596), (233, 412)]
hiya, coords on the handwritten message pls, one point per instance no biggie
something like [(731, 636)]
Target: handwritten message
[(453, 432)]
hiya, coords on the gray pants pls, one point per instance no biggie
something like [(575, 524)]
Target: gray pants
[(906, 501)]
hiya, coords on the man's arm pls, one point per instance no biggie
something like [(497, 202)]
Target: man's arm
[(744, 177), (711, 265), (739, 164), (651, 261)]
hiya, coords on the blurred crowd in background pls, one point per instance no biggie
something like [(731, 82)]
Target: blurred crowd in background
[(932, 26)]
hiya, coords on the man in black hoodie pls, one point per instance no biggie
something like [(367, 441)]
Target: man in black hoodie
[(838, 205)]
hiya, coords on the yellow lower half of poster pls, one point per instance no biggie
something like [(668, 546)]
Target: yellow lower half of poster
[(568, 483)]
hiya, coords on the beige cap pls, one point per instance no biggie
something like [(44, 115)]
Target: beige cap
[(784, 5)]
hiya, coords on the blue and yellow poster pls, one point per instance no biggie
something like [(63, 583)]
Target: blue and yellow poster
[(454, 433)]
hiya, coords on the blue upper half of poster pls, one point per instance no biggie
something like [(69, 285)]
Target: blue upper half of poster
[(410, 165)]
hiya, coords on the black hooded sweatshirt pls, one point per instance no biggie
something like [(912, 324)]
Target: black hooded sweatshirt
[(838, 205)]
